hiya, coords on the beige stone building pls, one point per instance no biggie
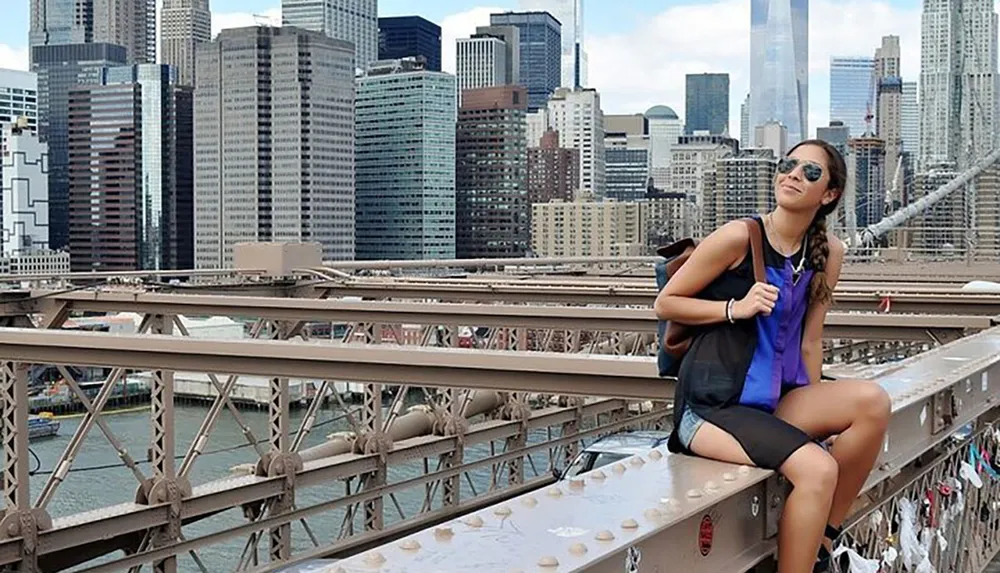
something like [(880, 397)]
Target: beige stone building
[(588, 228)]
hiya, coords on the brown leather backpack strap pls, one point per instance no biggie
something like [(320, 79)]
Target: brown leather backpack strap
[(756, 250)]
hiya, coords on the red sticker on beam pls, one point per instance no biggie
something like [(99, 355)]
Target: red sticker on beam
[(705, 534)]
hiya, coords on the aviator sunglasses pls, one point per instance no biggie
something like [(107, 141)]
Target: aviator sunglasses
[(811, 171)]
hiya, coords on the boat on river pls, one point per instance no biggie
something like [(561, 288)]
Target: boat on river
[(43, 425)]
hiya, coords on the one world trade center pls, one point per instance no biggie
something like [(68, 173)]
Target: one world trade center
[(779, 65)]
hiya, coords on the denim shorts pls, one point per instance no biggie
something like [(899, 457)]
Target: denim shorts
[(690, 422)]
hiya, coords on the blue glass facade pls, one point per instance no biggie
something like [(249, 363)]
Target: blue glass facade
[(540, 53), (779, 65), (155, 192), (60, 68), (405, 166), (55, 22), (707, 103), (852, 92), (410, 36)]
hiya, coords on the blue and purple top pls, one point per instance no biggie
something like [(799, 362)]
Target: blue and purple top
[(752, 362)]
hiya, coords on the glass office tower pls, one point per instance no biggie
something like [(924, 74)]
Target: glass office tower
[(779, 65)]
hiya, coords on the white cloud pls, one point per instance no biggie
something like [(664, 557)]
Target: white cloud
[(646, 66), (222, 21), (461, 25), (15, 58)]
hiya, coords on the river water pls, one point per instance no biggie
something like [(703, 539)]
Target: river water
[(92, 485)]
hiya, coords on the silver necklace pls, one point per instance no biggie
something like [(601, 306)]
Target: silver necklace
[(797, 270)]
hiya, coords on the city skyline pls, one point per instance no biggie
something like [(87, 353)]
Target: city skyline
[(638, 55)]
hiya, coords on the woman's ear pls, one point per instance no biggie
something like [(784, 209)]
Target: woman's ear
[(830, 196)]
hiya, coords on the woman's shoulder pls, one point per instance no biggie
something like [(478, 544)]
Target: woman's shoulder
[(732, 235), (837, 246)]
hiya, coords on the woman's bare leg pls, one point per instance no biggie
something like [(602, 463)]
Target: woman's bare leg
[(859, 412), (812, 472)]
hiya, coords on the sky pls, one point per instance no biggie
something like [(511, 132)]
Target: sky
[(639, 50)]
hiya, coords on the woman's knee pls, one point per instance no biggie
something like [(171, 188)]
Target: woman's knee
[(811, 468), (874, 403)]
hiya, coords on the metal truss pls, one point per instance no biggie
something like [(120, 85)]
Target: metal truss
[(922, 272), (510, 371), (839, 325), (950, 301), (499, 381), (165, 500)]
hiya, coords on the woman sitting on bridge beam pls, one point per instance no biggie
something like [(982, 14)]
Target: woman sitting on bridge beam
[(749, 386)]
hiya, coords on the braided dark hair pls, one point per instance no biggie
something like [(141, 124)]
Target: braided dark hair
[(819, 246)]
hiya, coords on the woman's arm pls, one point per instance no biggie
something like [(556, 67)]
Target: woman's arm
[(721, 250), (812, 336)]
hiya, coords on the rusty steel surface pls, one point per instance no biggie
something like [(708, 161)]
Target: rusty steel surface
[(642, 501), (838, 324)]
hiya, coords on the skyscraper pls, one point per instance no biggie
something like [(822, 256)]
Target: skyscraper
[(487, 59), (569, 13), (18, 98), (836, 134), (60, 68), (553, 171), (910, 119), (779, 65), (889, 103), (282, 167), (491, 193), (127, 23), (123, 171), (959, 116), (183, 25), (577, 116), (511, 36), (706, 103), (25, 190), (410, 36), (665, 128), (354, 21), (866, 163), (65, 22), (852, 93), (540, 53), (405, 157), (130, 24), (745, 129)]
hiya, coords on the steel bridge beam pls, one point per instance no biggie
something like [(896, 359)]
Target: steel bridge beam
[(839, 325), (697, 514), (509, 371), (953, 302)]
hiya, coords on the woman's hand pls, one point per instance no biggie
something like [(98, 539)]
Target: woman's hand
[(761, 299)]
